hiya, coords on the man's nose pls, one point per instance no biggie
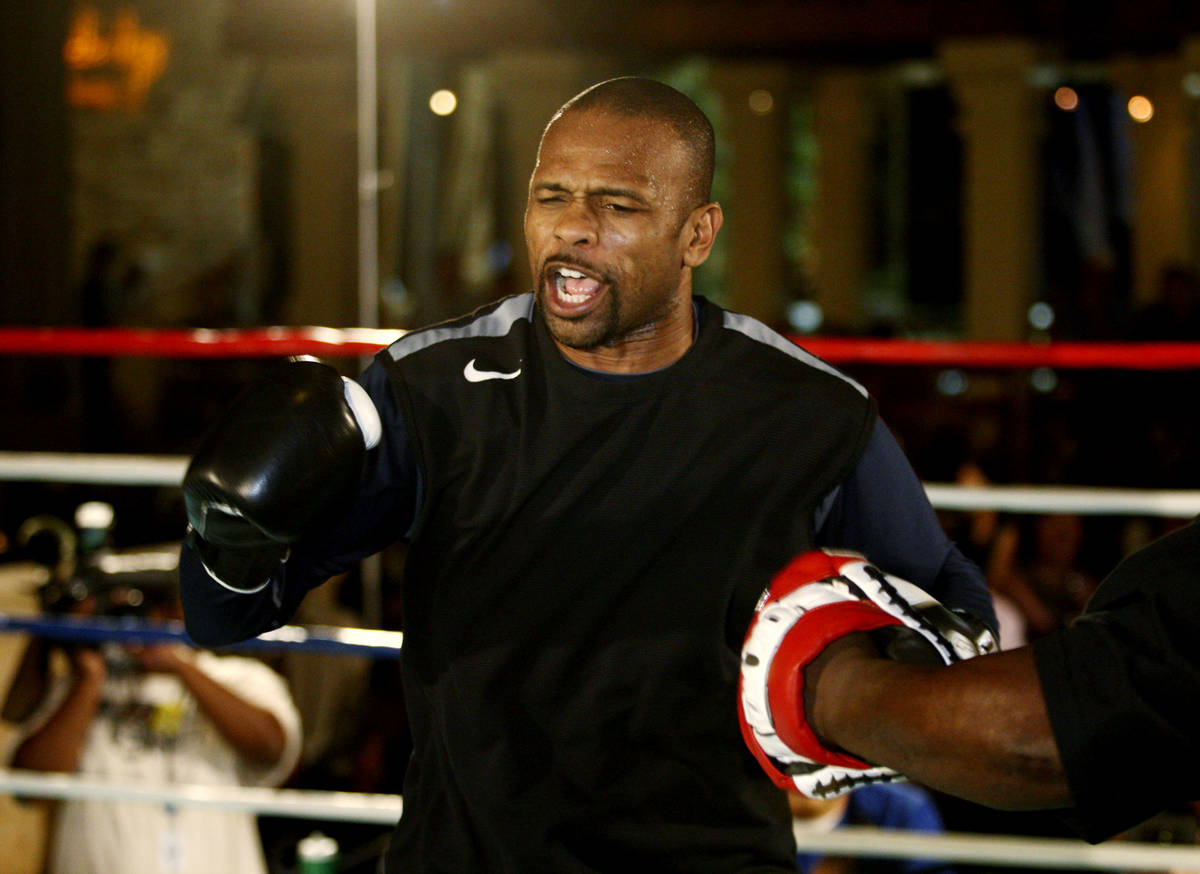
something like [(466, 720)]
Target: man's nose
[(576, 224)]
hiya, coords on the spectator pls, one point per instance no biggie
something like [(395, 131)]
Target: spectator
[(161, 714), (1051, 588)]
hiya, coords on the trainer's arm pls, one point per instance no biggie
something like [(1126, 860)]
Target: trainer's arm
[(380, 513), (881, 510), (977, 729), (1068, 720)]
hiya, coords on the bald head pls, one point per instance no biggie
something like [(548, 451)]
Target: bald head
[(636, 97)]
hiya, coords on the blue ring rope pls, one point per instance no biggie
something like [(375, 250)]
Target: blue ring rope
[(318, 639)]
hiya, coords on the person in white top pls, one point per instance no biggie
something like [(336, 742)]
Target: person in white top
[(161, 715)]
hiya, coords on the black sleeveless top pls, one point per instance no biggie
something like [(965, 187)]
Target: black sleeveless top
[(586, 558)]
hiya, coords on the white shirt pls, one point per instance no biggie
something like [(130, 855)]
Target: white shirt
[(150, 729)]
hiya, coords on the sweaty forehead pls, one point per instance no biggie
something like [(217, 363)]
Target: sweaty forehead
[(589, 144)]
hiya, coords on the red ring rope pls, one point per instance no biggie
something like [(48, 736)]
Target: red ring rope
[(194, 342), (353, 342)]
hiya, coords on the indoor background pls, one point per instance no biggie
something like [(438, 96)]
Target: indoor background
[(932, 169)]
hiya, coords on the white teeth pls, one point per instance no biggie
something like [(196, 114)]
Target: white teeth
[(561, 275), (560, 287)]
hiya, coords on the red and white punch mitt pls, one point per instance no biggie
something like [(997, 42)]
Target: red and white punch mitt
[(820, 596)]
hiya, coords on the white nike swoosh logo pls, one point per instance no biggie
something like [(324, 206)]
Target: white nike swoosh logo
[(474, 374)]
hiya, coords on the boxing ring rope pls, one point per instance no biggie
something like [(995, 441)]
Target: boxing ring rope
[(167, 471), (358, 342), (314, 639), (274, 342), (104, 469), (847, 841), (359, 807)]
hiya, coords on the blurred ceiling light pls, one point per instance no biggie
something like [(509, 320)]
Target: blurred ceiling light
[(1043, 380), (1066, 99), (952, 383), (761, 101), (443, 102), (1140, 109), (805, 316), (1191, 84), (1041, 316)]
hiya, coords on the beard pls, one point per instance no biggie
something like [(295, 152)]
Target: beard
[(626, 310), (600, 327)]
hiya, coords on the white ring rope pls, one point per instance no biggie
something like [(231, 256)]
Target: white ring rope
[(846, 841), (296, 803), (1086, 500), (1001, 850), (167, 470), (106, 469)]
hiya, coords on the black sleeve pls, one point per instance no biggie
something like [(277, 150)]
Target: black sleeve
[(382, 513), (881, 510), (1122, 688)]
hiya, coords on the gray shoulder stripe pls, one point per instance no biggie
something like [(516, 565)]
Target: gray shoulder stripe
[(756, 330), (497, 323)]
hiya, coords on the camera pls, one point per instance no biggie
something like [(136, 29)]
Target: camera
[(86, 573), (118, 583)]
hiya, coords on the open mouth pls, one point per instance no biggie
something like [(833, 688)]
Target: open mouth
[(571, 288), (574, 286)]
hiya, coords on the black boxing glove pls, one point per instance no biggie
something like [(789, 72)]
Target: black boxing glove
[(287, 453)]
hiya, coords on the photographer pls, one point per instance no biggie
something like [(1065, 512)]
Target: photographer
[(165, 714)]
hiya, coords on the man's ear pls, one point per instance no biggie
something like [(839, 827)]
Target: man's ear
[(700, 232)]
